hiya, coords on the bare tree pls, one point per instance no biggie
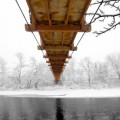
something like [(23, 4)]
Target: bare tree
[(19, 69), (114, 62), (35, 69), (70, 73), (108, 14), (100, 72), (3, 70), (72, 70), (38, 72), (86, 65), (80, 73)]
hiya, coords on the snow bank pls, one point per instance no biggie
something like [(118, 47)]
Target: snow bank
[(82, 93)]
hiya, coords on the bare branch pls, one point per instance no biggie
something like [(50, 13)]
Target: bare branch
[(107, 29), (111, 20)]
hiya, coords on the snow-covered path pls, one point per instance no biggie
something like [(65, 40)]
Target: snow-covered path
[(64, 93)]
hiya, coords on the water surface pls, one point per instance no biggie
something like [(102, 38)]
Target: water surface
[(17, 108)]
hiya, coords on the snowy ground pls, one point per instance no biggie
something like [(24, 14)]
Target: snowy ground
[(63, 93)]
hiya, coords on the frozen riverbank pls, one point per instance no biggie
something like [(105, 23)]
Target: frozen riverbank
[(63, 93)]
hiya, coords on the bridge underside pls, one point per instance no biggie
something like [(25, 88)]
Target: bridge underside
[(57, 22)]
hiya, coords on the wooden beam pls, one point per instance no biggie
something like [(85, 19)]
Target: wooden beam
[(68, 12), (66, 20), (58, 28), (57, 65), (62, 38), (60, 69), (57, 69), (57, 56), (32, 13), (57, 62), (48, 11), (57, 76), (73, 38), (85, 10), (58, 47), (52, 38), (41, 39)]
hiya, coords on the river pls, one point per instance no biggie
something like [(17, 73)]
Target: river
[(20, 108)]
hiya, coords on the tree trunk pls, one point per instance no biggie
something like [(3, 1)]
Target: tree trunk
[(89, 80)]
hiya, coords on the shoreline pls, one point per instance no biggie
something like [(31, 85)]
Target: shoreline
[(81, 93)]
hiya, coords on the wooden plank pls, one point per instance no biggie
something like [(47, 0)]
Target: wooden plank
[(57, 56), (57, 65), (56, 68), (57, 48), (57, 62), (60, 70), (58, 28)]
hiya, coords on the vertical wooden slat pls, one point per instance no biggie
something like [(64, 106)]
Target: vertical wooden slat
[(68, 12), (52, 34), (48, 12), (67, 18), (62, 38)]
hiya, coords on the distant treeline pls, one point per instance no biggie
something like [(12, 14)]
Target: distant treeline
[(84, 74)]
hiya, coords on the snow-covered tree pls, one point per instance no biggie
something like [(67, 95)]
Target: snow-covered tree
[(3, 69), (87, 66), (100, 73), (114, 62), (19, 70)]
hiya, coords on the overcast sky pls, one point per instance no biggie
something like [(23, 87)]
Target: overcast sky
[(14, 38)]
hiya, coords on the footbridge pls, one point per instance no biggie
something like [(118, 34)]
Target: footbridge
[(57, 22)]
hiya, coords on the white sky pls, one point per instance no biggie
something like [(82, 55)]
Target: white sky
[(14, 38)]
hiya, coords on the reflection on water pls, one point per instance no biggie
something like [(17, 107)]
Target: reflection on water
[(59, 108)]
